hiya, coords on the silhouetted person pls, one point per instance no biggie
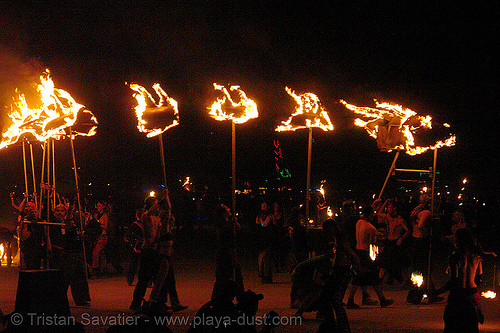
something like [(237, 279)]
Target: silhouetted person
[(463, 311)]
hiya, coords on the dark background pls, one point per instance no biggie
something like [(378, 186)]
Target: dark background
[(436, 59)]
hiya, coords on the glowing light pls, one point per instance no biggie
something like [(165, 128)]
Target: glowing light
[(425, 189), (464, 181), (394, 126), (417, 279), (154, 116), (2, 253), (329, 211), (55, 111), (239, 110), (373, 252), (308, 113), (489, 294), (152, 194)]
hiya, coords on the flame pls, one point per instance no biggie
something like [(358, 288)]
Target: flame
[(56, 111), (329, 211), (373, 252), (464, 181), (1, 253), (247, 108), (489, 294), (143, 110), (309, 108), (417, 279), (404, 120)]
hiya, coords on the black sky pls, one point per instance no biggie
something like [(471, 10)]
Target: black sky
[(436, 59)]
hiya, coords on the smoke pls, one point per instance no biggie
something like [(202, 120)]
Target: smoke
[(18, 74)]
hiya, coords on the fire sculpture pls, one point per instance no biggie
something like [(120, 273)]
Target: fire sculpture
[(394, 126), (308, 113), (56, 111), (154, 117), (239, 110)]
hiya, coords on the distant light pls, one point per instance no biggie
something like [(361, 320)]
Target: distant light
[(424, 188), (464, 181), (152, 193)]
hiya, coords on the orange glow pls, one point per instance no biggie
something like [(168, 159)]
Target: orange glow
[(417, 279), (148, 108), (1, 253), (405, 121), (373, 252), (308, 112), (489, 294), (56, 111), (239, 110)]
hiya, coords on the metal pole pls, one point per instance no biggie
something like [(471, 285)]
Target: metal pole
[(429, 266), (78, 200), (33, 169), (41, 177), (53, 175), (48, 180), (233, 164), (308, 180), (162, 156), (391, 170), (25, 171)]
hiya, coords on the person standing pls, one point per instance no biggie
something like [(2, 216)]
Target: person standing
[(32, 237), (463, 311), (134, 238), (227, 266), (99, 254), (66, 254), (266, 223), (368, 274), (421, 218)]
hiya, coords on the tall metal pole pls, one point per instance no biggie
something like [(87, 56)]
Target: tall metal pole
[(25, 171), (33, 169), (162, 156), (391, 170), (48, 179), (308, 181), (429, 266), (233, 164), (78, 200), (53, 174), (41, 177)]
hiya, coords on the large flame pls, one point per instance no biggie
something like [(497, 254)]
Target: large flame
[(417, 279), (147, 107), (308, 112), (239, 110), (397, 125), (55, 112)]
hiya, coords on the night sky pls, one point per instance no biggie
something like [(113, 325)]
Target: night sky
[(436, 59)]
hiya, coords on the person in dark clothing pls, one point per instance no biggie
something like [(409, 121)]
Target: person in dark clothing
[(227, 266), (463, 311), (66, 254), (134, 239), (298, 237), (32, 237), (268, 234)]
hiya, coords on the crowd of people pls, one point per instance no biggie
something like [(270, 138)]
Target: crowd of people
[(360, 246)]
